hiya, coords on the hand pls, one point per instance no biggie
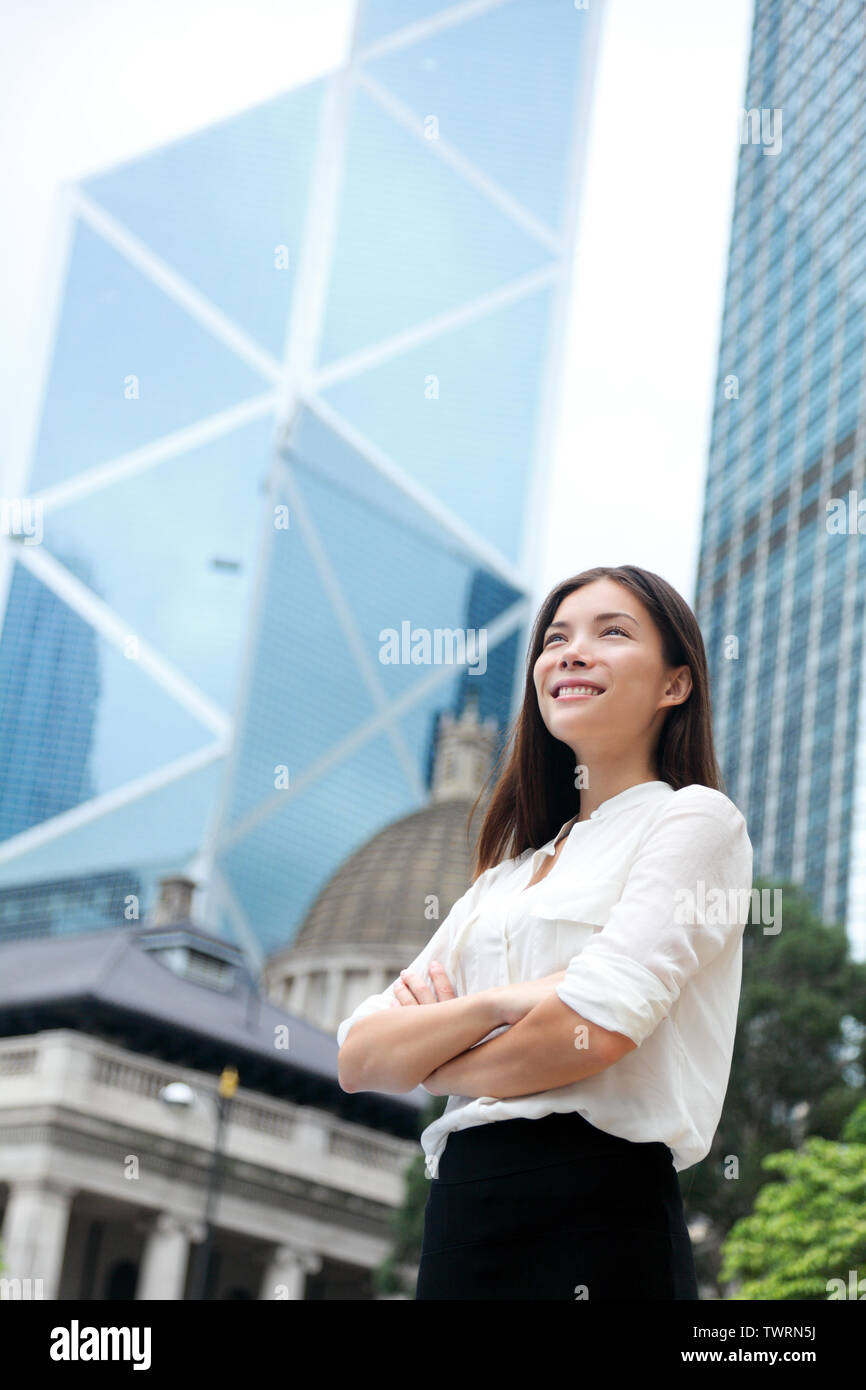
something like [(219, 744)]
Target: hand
[(413, 988), (516, 1000), (513, 1002)]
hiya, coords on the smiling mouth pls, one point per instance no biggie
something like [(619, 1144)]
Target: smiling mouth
[(582, 692)]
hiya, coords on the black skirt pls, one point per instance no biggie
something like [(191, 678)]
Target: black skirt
[(554, 1208)]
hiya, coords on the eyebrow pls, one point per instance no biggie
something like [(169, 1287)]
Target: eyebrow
[(599, 618)]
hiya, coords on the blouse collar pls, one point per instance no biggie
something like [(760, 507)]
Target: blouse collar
[(632, 796)]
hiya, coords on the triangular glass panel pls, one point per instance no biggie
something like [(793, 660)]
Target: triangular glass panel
[(129, 366), (173, 550), (502, 88), (458, 414), (226, 207), (78, 718), (414, 240)]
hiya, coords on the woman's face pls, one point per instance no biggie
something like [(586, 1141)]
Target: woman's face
[(602, 634)]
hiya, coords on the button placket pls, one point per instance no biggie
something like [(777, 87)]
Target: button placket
[(506, 932), (515, 903)]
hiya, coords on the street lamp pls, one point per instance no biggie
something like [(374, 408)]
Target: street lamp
[(179, 1093)]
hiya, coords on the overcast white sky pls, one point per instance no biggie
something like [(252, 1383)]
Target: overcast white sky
[(87, 85)]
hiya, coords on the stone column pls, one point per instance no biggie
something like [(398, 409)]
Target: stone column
[(330, 1017), (286, 1272), (34, 1236), (291, 1003), (166, 1255)]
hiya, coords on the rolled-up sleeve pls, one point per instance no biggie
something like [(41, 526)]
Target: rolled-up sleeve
[(686, 897), (437, 948)]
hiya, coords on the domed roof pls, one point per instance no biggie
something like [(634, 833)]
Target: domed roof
[(378, 896)]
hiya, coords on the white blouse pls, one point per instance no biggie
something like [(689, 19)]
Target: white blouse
[(645, 910)]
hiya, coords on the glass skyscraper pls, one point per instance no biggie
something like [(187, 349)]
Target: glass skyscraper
[(782, 580), (302, 395)]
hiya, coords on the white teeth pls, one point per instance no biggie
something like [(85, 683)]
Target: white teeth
[(568, 691)]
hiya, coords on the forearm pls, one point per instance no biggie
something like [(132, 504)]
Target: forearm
[(550, 1046), (394, 1050)]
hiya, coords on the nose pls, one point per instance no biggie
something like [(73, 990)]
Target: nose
[(568, 654)]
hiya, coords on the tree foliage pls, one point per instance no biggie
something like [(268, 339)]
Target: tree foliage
[(798, 1063), (805, 1238)]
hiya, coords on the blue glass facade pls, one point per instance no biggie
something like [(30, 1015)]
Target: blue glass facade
[(49, 689), (780, 594), (300, 395)]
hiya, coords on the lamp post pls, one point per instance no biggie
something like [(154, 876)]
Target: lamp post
[(178, 1093)]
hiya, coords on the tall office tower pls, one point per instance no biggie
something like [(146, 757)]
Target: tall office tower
[(298, 419), (49, 692), (782, 575)]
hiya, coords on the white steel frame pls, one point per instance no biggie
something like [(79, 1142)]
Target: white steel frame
[(295, 382)]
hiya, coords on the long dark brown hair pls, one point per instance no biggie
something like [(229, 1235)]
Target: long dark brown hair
[(535, 792)]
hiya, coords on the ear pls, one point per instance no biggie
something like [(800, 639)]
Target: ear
[(680, 685)]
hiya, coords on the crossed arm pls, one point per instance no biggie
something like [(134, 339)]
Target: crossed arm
[(547, 1044), (550, 1046)]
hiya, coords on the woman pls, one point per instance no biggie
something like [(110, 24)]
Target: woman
[(586, 991)]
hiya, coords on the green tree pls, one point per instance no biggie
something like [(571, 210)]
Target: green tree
[(807, 1229), (797, 1067)]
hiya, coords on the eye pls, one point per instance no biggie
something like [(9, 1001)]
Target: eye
[(613, 628)]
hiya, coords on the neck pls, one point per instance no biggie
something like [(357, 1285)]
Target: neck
[(602, 786)]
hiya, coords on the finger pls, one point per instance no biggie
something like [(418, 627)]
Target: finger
[(442, 984), (419, 987), (403, 994)]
